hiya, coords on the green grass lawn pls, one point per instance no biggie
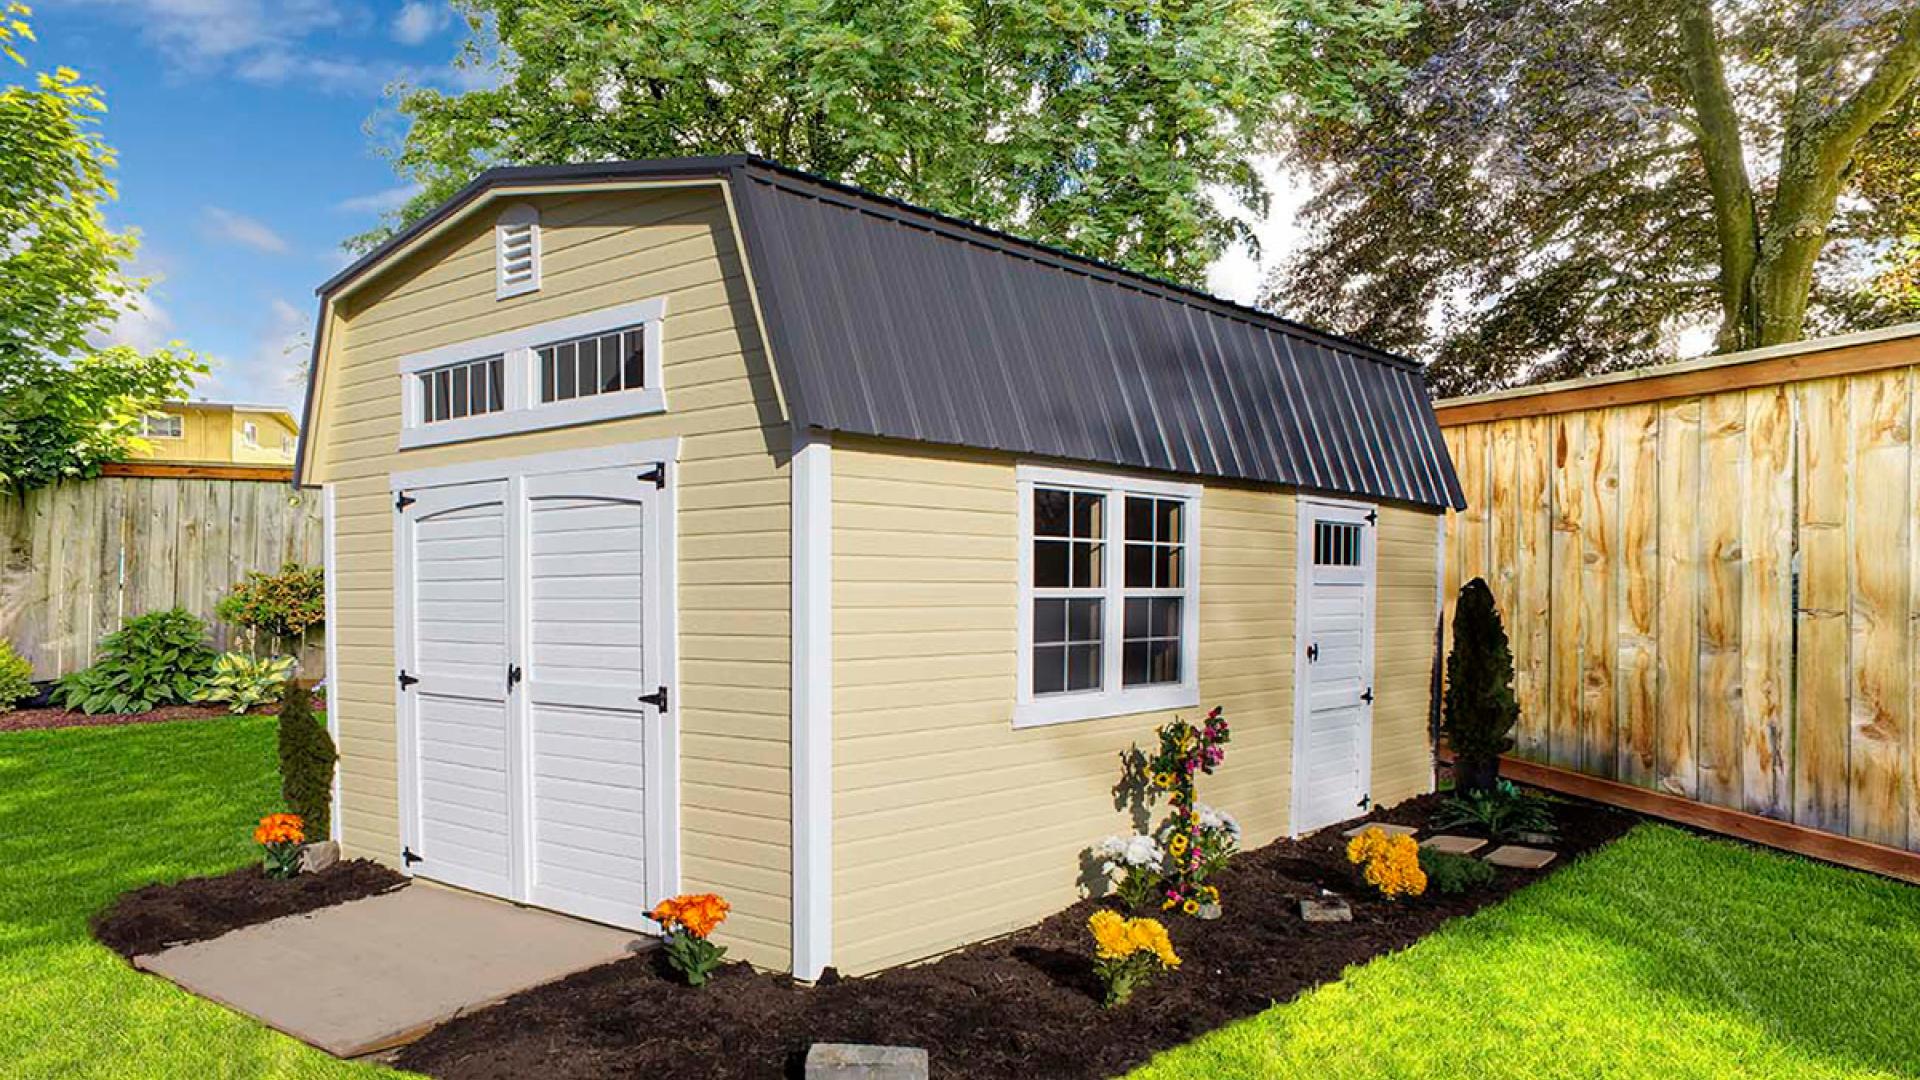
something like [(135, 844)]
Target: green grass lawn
[(85, 814), (1665, 955)]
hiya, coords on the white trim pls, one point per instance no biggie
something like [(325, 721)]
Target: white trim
[(513, 217), (667, 450), (1440, 640), (1302, 621), (1113, 699), (812, 704), (329, 565), (523, 410)]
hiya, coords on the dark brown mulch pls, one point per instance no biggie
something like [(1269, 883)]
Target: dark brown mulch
[(156, 917), (1022, 1006), (41, 719)]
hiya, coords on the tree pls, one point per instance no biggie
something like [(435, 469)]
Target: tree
[(1479, 709), (1559, 188), (1105, 127), (64, 406)]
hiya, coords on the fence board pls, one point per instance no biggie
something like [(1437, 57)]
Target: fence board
[(1563, 669), (1598, 745), (1877, 622), (1821, 661), (1529, 620), (1638, 580), (1679, 617), (1766, 606), (1722, 469), (78, 559)]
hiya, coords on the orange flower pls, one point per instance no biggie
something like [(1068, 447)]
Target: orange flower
[(280, 829), (697, 914)]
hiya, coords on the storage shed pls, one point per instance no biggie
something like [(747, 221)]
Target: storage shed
[(704, 525)]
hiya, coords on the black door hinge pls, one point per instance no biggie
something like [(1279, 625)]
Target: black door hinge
[(1364, 801), (513, 675), (657, 699), (1313, 652), (408, 858), (402, 500), (1373, 517), (1368, 696), (657, 475), (406, 680)]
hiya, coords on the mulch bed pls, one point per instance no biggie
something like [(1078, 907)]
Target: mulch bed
[(157, 917), (1022, 1006), (44, 718)]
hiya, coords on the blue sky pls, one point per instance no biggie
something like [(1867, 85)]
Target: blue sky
[(244, 156)]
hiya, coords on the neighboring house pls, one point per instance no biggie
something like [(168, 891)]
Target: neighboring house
[(702, 525), (220, 433)]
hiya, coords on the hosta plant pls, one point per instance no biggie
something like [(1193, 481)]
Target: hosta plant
[(1128, 952), (243, 683), (1133, 865), (16, 677), (280, 837), (1503, 812), (685, 923), (157, 659), (1389, 863)]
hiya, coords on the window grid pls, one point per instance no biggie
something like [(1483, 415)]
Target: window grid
[(165, 426), (1336, 543), (457, 391), (597, 364), (1069, 590), (1154, 591)]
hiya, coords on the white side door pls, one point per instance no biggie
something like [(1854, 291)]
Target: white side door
[(1333, 714), (595, 695), (452, 606)]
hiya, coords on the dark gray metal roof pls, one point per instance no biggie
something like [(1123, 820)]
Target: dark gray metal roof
[(888, 320)]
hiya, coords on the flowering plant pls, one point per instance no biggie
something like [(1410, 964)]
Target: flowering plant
[(1185, 753), (280, 837), (1217, 838), (686, 921), (1388, 863), (1137, 860), (1127, 952)]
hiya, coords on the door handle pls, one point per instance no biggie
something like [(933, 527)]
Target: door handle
[(1313, 652), (513, 675)]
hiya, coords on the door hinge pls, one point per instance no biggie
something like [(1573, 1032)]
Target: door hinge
[(656, 475), (1373, 517), (408, 858), (406, 680), (402, 500), (513, 675), (1313, 652), (1367, 696), (1365, 800), (657, 699)]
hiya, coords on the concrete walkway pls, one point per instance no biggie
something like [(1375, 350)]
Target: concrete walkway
[(375, 973)]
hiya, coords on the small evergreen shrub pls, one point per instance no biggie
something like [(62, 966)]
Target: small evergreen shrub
[(161, 658), (1479, 710), (1454, 874), (306, 760), (16, 677), (282, 605), (243, 683)]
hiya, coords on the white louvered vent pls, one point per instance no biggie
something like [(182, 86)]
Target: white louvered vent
[(516, 251)]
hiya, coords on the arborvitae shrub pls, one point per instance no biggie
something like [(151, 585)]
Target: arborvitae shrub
[(1479, 710), (306, 760)]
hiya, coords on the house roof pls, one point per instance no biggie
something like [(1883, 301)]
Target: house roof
[(278, 412), (886, 319)]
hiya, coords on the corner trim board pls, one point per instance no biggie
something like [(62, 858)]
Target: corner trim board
[(329, 562), (811, 697)]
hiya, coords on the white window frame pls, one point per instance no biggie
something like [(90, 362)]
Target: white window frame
[(514, 217), (1113, 699), (520, 378), (250, 433), (179, 425)]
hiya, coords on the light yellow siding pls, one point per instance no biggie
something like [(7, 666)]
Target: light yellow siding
[(950, 825), (599, 250), (211, 433)]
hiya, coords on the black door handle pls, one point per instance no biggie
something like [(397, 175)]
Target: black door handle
[(1313, 652), (513, 675)]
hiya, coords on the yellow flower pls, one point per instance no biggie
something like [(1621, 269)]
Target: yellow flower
[(1110, 937), (1390, 864), (1163, 780), (1149, 936), (1178, 845), (1191, 907)]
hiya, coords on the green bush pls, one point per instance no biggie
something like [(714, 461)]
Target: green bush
[(1502, 812), (283, 605), (243, 682), (16, 677), (1454, 874), (306, 760), (161, 658), (1479, 710)]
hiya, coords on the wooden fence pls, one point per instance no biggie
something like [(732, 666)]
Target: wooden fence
[(79, 559), (1710, 574)]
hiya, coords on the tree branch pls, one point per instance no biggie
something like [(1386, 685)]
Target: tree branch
[(1735, 221)]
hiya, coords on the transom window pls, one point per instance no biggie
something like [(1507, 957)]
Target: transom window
[(1108, 594), (598, 364), (1336, 543), (164, 426), (457, 391)]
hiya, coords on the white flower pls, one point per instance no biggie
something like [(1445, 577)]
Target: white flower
[(1127, 851), (1211, 818)]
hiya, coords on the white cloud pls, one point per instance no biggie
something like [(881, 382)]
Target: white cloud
[(419, 20), (235, 228), (142, 324), (1237, 275), (269, 371), (379, 202)]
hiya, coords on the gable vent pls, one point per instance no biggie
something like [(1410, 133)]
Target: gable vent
[(516, 251)]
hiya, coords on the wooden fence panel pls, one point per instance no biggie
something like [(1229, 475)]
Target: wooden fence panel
[(77, 560), (1713, 594)]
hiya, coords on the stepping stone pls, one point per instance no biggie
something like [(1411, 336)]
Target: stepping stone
[(851, 1061), (1515, 857), (1326, 909), (1390, 830), (1454, 845), (1536, 839)]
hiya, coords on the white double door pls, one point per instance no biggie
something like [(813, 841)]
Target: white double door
[(1333, 718), (532, 695)]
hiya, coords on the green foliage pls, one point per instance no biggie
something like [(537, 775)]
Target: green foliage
[(1502, 811), (1453, 874), (242, 682), (161, 658), (65, 407), (1478, 711), (1100, 127), (694, 957), (16, 677), (306, 760), (283, 605)]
